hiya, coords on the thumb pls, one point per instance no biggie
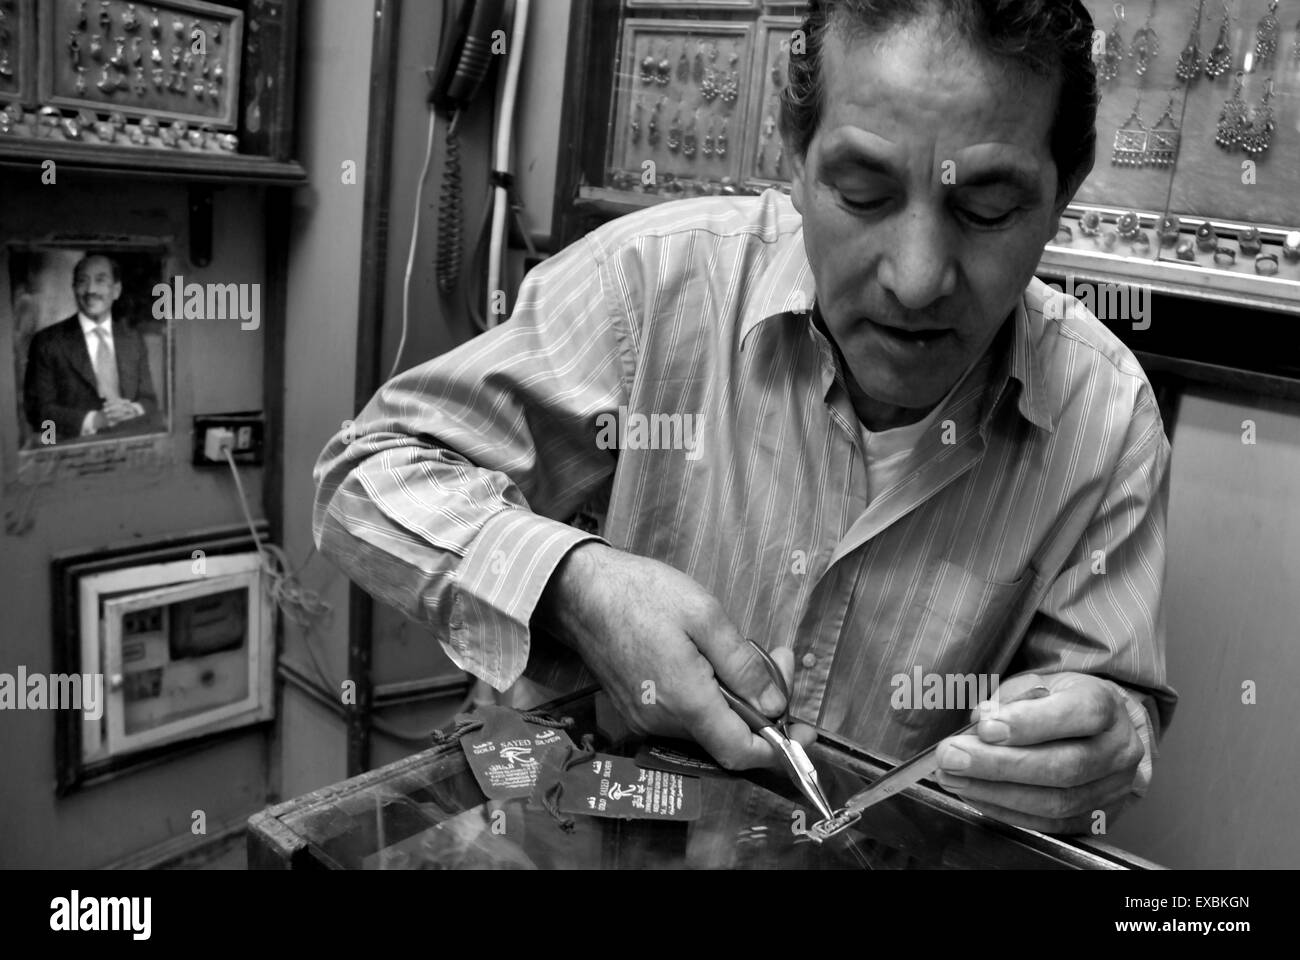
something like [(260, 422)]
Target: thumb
[(738, 663)]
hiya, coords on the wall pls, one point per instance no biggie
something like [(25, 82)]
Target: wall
[(320, 350), (218, 370), (1226, 783)]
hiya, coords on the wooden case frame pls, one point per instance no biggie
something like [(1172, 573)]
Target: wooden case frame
[(52, 52)]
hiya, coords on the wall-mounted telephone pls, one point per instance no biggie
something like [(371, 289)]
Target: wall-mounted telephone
[(463, 64), (466, 54)]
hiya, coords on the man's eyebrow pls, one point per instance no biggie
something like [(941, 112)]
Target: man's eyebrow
[(846, 159), (1001, 175)]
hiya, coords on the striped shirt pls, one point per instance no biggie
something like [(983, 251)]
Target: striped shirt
[(667, 366)]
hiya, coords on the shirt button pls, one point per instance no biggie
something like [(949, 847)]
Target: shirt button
[(809, 660)]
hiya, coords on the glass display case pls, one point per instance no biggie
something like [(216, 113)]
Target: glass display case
[(427, 812), (1196, 187)]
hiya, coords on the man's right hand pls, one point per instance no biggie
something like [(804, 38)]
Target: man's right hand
[(118, 411), (658, 642)]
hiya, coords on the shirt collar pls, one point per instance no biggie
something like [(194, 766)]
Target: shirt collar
[(88, 325), (787, 288)]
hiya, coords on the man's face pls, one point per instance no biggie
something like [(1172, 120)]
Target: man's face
[(95, 288), (927, 195)]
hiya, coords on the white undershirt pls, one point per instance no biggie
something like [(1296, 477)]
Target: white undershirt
[(888, 451)]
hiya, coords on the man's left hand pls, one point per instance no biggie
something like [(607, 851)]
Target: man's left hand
[(1048, 764)]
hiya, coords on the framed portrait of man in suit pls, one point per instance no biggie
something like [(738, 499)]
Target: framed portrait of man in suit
[(93, 363)]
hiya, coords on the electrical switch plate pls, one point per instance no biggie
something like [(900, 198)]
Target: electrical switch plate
[(244, 432)]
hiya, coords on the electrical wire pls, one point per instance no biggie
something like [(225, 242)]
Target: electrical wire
[(305, 607), (415, 235), (501, 159), (451, 213)]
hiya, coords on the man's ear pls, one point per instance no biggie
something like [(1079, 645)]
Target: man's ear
[(117, 291), (798, 167)]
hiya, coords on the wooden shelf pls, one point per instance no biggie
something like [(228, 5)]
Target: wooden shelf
[(142, 161)]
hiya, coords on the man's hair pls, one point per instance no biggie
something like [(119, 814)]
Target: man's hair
[(1042, 37), (112, 265)]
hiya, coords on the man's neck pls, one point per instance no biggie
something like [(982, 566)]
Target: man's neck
[(875, 415)]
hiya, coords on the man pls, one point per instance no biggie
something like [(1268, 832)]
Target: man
[(89, 374), (943, 468)]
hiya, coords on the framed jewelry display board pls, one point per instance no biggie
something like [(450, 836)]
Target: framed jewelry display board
[(679, 106), (766, 164), (177, 60), (17, 69), (1216, 86)]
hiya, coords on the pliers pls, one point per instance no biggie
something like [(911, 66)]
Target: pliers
[(776, 732)]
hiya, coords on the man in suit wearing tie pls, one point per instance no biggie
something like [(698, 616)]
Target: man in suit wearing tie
[(89, 374)]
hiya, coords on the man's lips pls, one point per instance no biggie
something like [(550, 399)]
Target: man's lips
[(912, 334)]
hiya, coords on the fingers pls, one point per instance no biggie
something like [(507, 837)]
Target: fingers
[(1063, 763), (727, 738), (737, 662), (1070, 710)]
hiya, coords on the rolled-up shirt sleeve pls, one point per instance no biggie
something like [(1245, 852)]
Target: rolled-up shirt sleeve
[(446, 497), (1103, 613)]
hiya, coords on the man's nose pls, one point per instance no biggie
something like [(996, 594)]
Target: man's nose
[(919, 266)]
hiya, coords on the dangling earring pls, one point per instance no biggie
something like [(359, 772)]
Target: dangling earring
[(1220, 58), (1266, 35), (1295, 51), (648, 66), (707, 148), (1146, 45), (675, 132), (1258, 134), (1131, 141), (652, 128), (721, 148), (1233, 118), (683, 65), (697, 74), (1108, 69), (1190, 63), (636, 121), (1162, 144), (690, 139)]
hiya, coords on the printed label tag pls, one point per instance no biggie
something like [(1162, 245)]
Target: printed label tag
[(506, 752), (606, 786)]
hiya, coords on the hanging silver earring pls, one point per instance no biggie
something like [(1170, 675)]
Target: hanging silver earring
[(1220, 58), (1190, 61), (1146, 45), (1266, 35), (1232, 119), (1257, 136), (1163, 140), (1131, 141), (1113, 51)]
